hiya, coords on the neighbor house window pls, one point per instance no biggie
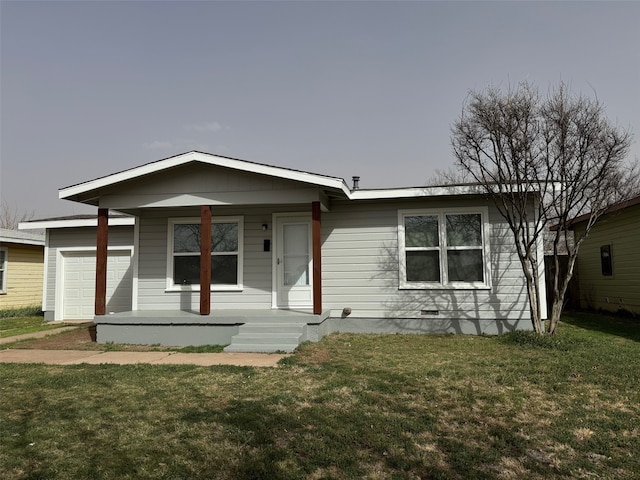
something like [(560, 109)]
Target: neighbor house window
[(3, 270), (183, 269), (443, 249), (605, 260)]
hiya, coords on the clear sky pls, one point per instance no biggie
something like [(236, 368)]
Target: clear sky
[(337, 88)]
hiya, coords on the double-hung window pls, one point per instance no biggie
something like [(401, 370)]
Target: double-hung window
[(443, 249), (3, 270), (183, 265)]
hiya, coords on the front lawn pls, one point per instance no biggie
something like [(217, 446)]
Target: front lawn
[(19, 324), (351, 406)]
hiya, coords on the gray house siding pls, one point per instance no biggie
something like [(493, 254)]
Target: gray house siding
[(359, 266), (81, 239), (206, 185), (360, 272), (257, 279)]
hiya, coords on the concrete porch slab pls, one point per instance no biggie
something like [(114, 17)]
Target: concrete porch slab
[(217, 317)]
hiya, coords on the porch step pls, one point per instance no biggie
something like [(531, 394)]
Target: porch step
[(267, 337)]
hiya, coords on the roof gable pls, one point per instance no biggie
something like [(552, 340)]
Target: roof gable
[(86, 191)]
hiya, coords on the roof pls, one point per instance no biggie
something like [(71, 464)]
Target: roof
[(78, 192), (613, 208), (23, 238), (115, 219), (74, 191)]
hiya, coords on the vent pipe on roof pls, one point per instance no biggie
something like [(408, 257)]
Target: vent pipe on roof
[(356, 182)]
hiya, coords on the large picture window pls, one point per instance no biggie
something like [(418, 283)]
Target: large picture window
[(183, 270), (443, 249)]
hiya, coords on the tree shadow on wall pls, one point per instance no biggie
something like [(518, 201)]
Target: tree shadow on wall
[(469, 311)]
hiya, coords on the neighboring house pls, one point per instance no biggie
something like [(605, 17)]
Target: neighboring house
[(21, 268), (609, 260), (291, 256)]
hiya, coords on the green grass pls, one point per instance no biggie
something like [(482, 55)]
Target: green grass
[(350, 406), (33, 311), (19, 324), (201, 349)]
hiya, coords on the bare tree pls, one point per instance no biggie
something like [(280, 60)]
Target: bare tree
[(10, 216), (543, 161), (450, 176)]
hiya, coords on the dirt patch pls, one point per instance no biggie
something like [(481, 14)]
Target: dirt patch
[(82, 338)]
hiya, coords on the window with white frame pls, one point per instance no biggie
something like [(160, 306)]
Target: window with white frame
[(443, 249), (3, 270), (183, 265)]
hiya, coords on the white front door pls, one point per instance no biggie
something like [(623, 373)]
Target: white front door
[(293, 262)]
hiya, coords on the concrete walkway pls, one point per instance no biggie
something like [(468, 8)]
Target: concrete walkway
[(74, 357), (41, 334)]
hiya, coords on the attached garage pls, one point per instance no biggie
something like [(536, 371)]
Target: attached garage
[(70, 266), (77, 285)]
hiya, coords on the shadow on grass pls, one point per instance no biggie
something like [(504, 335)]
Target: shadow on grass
[(618, 325), (326, 440)]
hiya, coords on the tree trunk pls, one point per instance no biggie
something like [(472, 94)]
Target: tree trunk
[(534, 298)]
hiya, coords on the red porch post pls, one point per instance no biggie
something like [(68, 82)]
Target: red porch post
[(317, 254), (101, 261), (205, 260)]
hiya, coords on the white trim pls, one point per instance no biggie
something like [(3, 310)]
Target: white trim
[(416, 192), (76, 222), (3, 272), (45, 279), (60, 257), (444, 284), (135, 264), (207, 158), (170, 287)]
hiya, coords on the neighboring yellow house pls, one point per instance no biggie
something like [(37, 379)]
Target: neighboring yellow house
[(609, 260), (21, 269)]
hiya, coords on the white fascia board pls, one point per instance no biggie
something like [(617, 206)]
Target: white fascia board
[(83, 222), (416, 192), (125, 175), (240, 165)]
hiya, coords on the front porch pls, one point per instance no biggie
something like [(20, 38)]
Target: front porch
[(248, 330)]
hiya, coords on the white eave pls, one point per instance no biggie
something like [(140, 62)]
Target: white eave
[(240, 165), (74, 222), (416, 192)]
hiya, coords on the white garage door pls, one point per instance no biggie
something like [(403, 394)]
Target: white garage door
[(79, 279)]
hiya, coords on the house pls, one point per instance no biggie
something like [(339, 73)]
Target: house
[(21, 268), (608, 262), (217, 250)]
